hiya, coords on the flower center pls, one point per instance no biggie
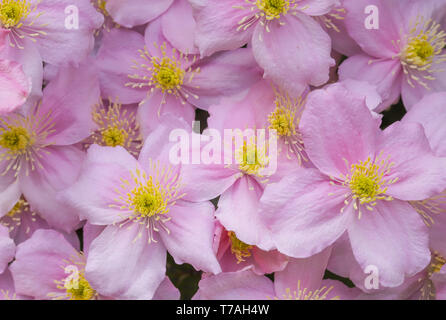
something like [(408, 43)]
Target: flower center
[(273, 9), (149, 199), (16, 139), (423, 50), (79, 289), (419, 51), (367, 181), (167, 73), (250, 159), (12, 12), (116, 127), (113, 136), (239, 248), (437, 263), (282, 119)]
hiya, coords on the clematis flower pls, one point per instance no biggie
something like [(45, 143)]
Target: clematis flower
[(300, 280), (143, 207), (235, 255), (48, 267), (37, 156), (365, 179), (290, 46), (161, 79), (405, 56), (7, 248), (42, 23)]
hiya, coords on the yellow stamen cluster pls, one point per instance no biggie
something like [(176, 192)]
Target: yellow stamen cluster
[(421, 50), (250, 159), (273, 9), (149, 198), (282, 120), (13, 12), (116, 127), (165, 72), (79, 289), (285, 120), (23, 138), (240, 249), (367, 183), (306, 294), (16, 139)]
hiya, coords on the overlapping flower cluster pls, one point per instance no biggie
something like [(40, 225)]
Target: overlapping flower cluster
[(91, 202)]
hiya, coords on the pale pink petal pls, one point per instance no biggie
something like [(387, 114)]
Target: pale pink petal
[(303, 212), (61, 167), (178, 26), (221, 75), (70, 99), (295, 54), (268, 261), (9, 197), (218, 23), (241, 285), (317, 7), (150, 113), (73, 45), (7, 248), (166, 291), (419, 172), (386, 74), (431, 113), (115, 60), (393, 238), (302, 273), (377, 43), (136, 12), (337, 126), (122, 263), (15, 86), (190, 235), (237, 211), (40, 262), (95, 190)]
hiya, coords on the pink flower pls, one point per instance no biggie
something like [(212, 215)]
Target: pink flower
[(37, 156), (145, 213), (300, 280), (405, 56), (366, 178), (235, 255), (290, 46), (42, 23), (49, 267), (151, 72)]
